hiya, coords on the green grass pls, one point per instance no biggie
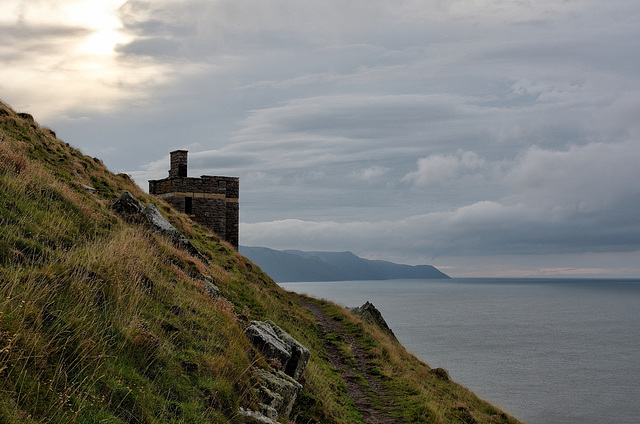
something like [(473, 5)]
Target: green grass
[(104, 322)]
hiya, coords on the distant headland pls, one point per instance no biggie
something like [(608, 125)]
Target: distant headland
[(295, 265)]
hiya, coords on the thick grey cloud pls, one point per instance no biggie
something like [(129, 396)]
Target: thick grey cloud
[(21, 42), (414, 130), (581, 200)]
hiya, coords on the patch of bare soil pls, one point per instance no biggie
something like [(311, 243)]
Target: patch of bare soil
[(352, 374)]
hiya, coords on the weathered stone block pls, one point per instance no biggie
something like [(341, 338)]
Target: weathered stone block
[(158, 223), (275, 343), (127, 205), (267, 341), (278, 390), (246, 416)]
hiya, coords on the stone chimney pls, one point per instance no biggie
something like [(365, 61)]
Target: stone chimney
[(209, 200), (178, 164)]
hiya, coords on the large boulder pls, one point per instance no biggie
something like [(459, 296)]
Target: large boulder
[(130, 208), (158, 223), (278, 391), (247, 416), (266, 341), (275, 343), (299, 354), (127, 205)]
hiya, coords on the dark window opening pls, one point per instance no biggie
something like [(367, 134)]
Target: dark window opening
[(188, 205), (182, 170)]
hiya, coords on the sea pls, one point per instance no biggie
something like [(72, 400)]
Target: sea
[(547, 351)]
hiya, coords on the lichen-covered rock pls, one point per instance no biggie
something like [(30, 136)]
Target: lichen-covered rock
[(158, 223), (265, 339), (251, 417), (127, 205), (299, 354), (278, 390), (211, 288), (275, 343), (268, 411)]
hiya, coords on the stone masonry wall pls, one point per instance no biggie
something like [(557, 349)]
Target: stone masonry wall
[(178, 164), (213, 199)]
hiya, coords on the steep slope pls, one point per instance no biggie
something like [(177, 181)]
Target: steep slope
[(102, 320)]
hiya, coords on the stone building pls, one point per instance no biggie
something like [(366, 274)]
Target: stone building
[(209, 201)]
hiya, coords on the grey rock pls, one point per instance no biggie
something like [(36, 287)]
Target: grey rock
[(211, 289), (127, 205), (275, 343), (130, 208), (158, 223), (278, 390), (371, 314), (268, 411), (267, 341), (299, 354), (251, 417), (161, 225), (89, 188)]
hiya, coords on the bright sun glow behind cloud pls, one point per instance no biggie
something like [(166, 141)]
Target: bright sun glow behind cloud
[(76, 41), (101, 18), (496, 136)]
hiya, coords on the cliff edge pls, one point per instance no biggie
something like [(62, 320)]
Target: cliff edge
[(104, 320)]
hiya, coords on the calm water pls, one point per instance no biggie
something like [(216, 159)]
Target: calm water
[(548, 351)]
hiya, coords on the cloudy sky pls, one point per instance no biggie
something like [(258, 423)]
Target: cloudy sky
[(485, 137)]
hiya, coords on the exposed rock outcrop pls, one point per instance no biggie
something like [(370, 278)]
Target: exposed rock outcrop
[(275, 343), (251, 417), (371, 314), (211, 289), (278, 391), (279, 387), (127, 205)]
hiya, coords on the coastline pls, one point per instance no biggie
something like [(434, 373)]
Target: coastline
[(514, 341)]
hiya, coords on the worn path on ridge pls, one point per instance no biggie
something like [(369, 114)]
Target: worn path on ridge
[(351, 375)]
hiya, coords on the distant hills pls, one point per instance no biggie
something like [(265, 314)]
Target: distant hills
[(295, 265), (103, 320)]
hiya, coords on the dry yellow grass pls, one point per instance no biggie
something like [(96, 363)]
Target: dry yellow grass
[(102, 321)]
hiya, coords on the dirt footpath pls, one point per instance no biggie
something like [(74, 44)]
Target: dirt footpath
[(358, 391)]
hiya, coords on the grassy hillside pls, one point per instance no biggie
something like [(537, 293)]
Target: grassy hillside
[(102, 321)]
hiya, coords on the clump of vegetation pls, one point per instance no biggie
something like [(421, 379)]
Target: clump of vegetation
[(103, 321)]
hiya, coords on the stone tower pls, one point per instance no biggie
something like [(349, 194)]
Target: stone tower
[(210, 201)]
